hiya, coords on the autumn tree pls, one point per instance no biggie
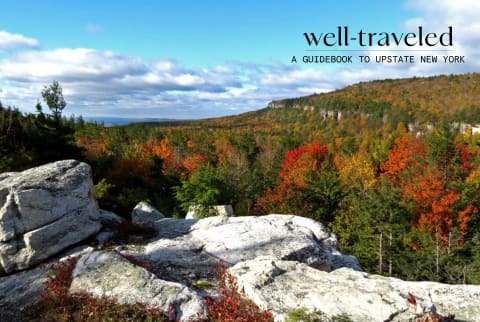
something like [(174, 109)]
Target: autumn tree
[(357, 171), (435, 205), (191, 163), (268, 161), (289, 196), (406, 156), (427, 179), (239, 176)]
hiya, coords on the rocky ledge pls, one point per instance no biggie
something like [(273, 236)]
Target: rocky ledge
[(281, 262)]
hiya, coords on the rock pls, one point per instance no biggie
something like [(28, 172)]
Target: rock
[(104, 237), (77, 251), (43, 210), (283, 286), (105, 273), (194, 212), (110, 223), (287, 237), (185, 247), (109, 219), (18, 291), (145, 214), (281, 262)]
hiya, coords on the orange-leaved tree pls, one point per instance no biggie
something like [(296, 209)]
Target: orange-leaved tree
[(436, 201), (289, 196), (406, 156)]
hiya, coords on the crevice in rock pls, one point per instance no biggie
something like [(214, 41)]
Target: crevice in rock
[(395, 314), (277, 271), (77, 211)]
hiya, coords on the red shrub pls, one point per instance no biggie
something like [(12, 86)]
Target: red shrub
[(231, 306), (58, 286), (56, 304)]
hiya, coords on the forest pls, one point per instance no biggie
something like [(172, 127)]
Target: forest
[(392, 167)]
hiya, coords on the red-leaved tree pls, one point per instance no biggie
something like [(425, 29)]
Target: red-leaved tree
[(289, 194)]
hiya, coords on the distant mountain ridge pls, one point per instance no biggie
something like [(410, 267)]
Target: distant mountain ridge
[(111, 120), (408, 100), (455, 95)]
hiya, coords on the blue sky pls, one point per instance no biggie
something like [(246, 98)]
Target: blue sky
[(193, 59)]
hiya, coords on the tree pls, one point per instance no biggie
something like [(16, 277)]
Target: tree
[(363, 217), (204, 188), (53, 96), (297, 169), (406, 156), (357, 171)]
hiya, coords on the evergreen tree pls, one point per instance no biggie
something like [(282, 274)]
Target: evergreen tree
[(53, 96)]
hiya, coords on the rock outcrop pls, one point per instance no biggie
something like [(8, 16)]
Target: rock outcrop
[(283, 286), (19, 291), (194, 247), (105, 273), (281, 262), (145, 214), (44, 210)]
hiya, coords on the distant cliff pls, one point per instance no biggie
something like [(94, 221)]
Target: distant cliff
[(456, 96)]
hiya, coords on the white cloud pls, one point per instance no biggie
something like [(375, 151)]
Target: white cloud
[(108, 83), (9, 41), (446, 7), (68, 65), (463, 17), (102, 82)]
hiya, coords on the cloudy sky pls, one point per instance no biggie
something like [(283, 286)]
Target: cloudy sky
[(192, 59)]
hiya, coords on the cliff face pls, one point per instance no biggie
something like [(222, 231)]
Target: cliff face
[(282, 262)]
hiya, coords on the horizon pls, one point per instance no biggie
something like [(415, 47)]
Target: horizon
[(110, 120), (187, 60)]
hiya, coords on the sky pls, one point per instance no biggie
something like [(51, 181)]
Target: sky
[(195, 59)]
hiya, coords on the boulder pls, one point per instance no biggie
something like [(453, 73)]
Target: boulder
[(283, 286), (105, 273), (109, 219), (43, 210), (194, 212), (193, 247), (145, 214), (110, 223), (103, 238), (19, 291)]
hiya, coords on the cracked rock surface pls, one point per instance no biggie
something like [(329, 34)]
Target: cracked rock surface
[(186, 248), (105, 273), (283, 286)]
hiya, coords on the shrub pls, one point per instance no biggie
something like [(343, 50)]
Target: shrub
[(100, 190), (301, 315), (56, 304), (427, 316), (231, 306), (128, 232)]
